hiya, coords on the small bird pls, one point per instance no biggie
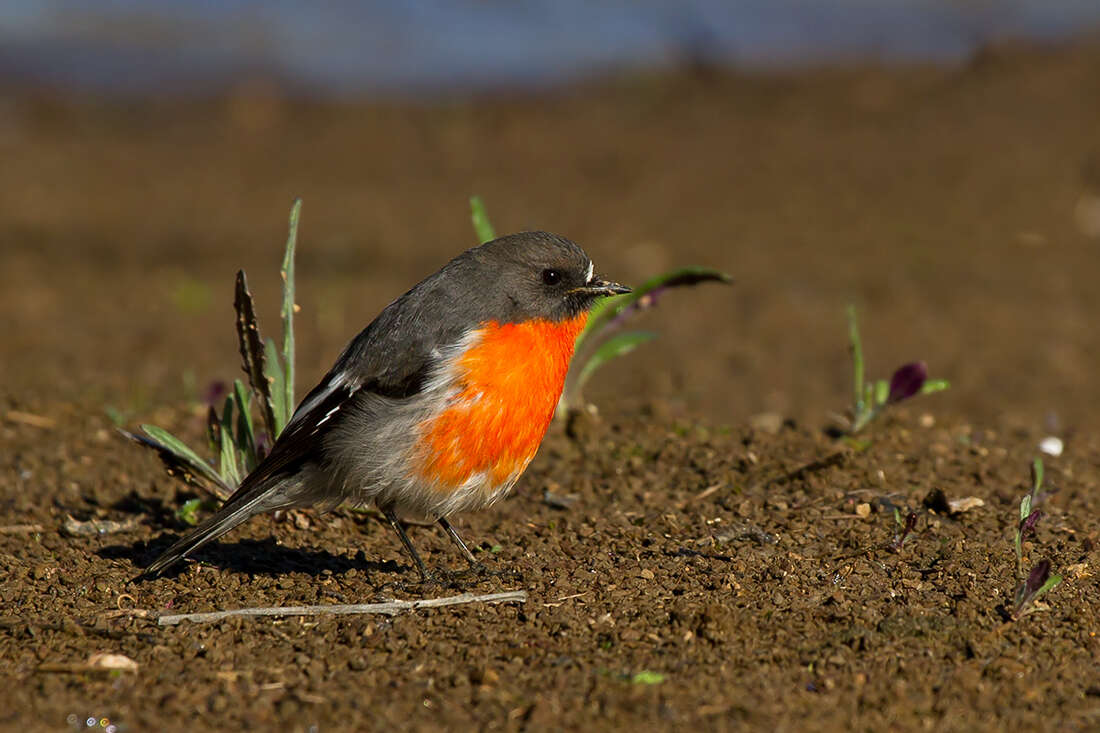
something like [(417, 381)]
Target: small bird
[(439, 404)]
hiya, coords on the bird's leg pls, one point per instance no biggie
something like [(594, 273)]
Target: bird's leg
[(476, 566), (458, 541), (396, 523)]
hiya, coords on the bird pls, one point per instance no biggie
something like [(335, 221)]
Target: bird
[(439, 404)]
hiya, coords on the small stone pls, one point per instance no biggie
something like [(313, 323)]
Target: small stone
[(112, 662), (1051, 445), (863, 510)]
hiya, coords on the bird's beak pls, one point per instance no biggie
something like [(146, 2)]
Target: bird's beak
[(600, 287)]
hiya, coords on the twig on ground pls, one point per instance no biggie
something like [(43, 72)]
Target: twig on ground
[(29, 418), (22, 529), (391, 608), (127, 612), (701, 495)]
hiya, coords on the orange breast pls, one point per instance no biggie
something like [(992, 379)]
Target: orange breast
[(510, 382)]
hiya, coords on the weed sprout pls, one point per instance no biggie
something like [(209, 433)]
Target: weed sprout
[(1039, 581), (234, 440), (870, 399), (905, 529)]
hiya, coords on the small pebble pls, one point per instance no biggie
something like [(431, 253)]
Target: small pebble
[(1051, 445)]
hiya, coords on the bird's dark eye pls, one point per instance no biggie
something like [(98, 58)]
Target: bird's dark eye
[(551, 277)]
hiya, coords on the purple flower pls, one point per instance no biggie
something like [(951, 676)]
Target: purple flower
[(907, 381)]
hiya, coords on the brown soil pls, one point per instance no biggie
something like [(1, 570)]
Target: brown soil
[(953, 206)]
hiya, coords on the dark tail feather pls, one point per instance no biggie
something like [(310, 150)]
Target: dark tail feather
[(234, 512)]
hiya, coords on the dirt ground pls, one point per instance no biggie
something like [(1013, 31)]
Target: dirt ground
[(725, 563)]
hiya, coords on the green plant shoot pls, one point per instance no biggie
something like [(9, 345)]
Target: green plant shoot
[(232, 435), (483, 228), (870, 399)]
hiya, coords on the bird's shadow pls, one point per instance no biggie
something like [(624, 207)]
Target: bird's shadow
[(253, 557)]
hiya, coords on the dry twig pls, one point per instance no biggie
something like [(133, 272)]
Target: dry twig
[(22, 529), (391, 608)]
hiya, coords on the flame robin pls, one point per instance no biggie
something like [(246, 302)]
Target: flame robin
[(439, 404)]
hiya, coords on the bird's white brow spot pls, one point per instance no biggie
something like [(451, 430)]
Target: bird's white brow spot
[(588, 277)]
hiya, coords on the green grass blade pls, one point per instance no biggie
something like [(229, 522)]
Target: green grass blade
[(288, 314), (480, 217), (246, 434), (178, 448), (277, 376), (616, 346), (231, 474), (856, 346), (609, 308), (178, 459)]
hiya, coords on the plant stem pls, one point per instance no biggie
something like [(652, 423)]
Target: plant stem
[(856, 346)]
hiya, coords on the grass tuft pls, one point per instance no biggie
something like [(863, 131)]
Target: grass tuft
[(235, 443)]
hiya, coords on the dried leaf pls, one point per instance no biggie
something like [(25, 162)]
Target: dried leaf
[(965, 504)]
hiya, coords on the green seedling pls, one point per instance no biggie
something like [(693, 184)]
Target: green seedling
[(598, 343), (871, 398), (905, 529), (237, 446), (1029, 516), (483, 228), (1039, 581)]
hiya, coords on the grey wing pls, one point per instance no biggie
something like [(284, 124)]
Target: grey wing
[(392, 357)]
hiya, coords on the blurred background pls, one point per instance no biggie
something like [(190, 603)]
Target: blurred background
[(935, 162), (428, 47)]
